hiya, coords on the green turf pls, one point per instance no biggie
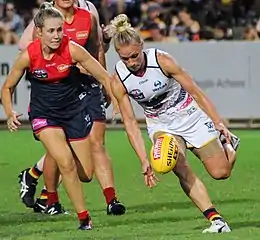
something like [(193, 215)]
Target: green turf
[(161, 213)]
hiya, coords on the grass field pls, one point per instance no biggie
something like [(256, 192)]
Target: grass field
[(159, 214)]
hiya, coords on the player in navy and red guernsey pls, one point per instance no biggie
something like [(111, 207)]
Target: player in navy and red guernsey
[(58, 113), (82, 27)]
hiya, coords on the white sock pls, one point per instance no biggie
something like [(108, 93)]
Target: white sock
[(39, 164)]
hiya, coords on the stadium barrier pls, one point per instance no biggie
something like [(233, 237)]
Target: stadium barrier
[(227, 71)]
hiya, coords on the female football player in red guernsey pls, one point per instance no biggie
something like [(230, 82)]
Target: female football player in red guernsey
[(58, 113), (83, 28)]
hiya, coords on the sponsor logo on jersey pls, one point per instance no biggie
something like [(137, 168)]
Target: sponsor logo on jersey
[(88, 120), (70, 29), (159, 86), (210, 126), (50, 65), (191, 110), (82, 95), (63, 67), (40, 73), (143, 81), (157, 83), (136, 94), (94, 85), (82, 35), (38, 123)]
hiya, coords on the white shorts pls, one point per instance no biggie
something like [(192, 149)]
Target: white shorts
[(191, 123)]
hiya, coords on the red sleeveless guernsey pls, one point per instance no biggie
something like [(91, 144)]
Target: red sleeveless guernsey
[(54, 92), (80, 28)]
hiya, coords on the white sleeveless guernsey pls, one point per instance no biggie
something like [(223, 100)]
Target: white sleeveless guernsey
[(154, 91), (167, 106)]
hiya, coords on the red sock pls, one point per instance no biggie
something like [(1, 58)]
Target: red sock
[(109, 194), (52, 198), (83, 215)]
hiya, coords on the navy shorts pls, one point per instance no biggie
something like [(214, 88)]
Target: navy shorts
[(75, 128), (95, 103)]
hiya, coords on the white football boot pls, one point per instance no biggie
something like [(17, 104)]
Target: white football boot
[(217, 226), (235, 141)]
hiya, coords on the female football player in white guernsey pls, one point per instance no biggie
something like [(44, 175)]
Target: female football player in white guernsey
[(173, 104)]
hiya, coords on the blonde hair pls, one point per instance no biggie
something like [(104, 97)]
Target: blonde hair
[(46, 11), (121, 31)]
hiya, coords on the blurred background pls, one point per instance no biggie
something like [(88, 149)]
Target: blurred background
[(157, 20), (216, 41)]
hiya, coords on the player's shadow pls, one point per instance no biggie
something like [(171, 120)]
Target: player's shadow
[(40, 230), (3, 164), (147, 220), (247, 224), (161, 206), (164, 206), (11, 218), (238, 225)]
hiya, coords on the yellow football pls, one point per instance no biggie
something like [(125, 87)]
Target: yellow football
[(164, 153)]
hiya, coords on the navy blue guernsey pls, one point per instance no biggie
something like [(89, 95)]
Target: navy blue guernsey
[(54, 92)]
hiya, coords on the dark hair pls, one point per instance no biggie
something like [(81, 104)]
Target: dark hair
[(46, 11)]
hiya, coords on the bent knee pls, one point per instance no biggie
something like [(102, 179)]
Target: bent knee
[(221, 173), (67, 168), (218, 166), (85, 176), (67, 164), (85, 179)]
